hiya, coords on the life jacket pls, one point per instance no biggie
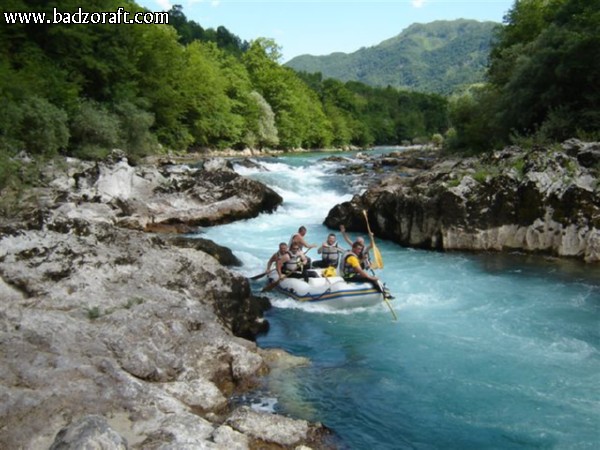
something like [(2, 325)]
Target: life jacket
[(330, 253), (347, 270), (365, 260), (294, 264)]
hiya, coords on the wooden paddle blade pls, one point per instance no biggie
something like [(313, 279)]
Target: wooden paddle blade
[(260, 275), (377, 259), (377, 262)]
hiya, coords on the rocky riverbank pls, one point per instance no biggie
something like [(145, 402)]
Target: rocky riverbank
[(542, 200), (113, 337)]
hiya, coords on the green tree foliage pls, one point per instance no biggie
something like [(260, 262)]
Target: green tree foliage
[(262, 130), (299, 116), (86, 89), (187, 30), (209, 111), (94, 127), (34, 124), (135, 126), (54, 66), (554, 84), (190, 31), (363, 115), (473, 119), (544, 75)]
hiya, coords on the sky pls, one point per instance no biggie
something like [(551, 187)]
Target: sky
[(324, 27)]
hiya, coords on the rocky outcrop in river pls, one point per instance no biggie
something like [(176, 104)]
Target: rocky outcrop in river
[(543, 200), (154, 198), (115, 338)]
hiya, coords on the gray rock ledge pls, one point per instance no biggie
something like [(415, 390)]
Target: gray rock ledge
[(112, 337), (545, 200)]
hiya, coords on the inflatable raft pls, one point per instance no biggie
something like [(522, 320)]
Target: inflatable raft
[(331, 291)]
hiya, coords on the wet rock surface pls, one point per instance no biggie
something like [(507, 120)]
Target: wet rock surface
[(544, 200)]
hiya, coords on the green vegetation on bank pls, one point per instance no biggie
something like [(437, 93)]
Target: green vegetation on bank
[(82, 90), (366, 115), (543, 79)]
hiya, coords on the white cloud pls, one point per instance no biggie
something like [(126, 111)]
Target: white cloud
[(164, 4), (418, 3), (215, 3)]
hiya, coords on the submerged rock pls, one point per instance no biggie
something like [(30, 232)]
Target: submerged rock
[(542, 200)]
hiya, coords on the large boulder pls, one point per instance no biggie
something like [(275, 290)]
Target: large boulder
[(118, 338), (102, 320), (543, 200), (160, 198)]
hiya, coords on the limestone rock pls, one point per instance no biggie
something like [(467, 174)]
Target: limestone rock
[(89, 432), (268, 427), (543, 200), (119, 337), (156, 198), (222, 254)]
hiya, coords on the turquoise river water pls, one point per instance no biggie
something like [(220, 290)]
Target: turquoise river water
[(489, 351)]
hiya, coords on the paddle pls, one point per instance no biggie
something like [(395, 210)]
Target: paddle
[(385, 299), (387, 302), (260, 275), (274, 284), (378, 260)]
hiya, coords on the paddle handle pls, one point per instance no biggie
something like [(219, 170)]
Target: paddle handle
[(364, 211)]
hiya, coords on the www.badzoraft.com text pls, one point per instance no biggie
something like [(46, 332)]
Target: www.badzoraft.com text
[(83, 17)]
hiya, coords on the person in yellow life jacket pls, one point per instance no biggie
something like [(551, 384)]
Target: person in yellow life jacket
[(330, 253), (353, 272), (364, 258)]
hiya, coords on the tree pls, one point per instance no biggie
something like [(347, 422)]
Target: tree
[(161, 63), (208, 111), (546, 65), (298, 112), (262, 129)]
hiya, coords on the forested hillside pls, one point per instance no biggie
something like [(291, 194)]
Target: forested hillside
[(440, 57), (83, 90)]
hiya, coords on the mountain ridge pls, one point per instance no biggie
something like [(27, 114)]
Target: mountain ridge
[(440, 57)]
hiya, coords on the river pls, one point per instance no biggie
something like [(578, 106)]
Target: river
[(490, 351)]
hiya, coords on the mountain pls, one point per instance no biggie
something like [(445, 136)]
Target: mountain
[(438, 57)]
